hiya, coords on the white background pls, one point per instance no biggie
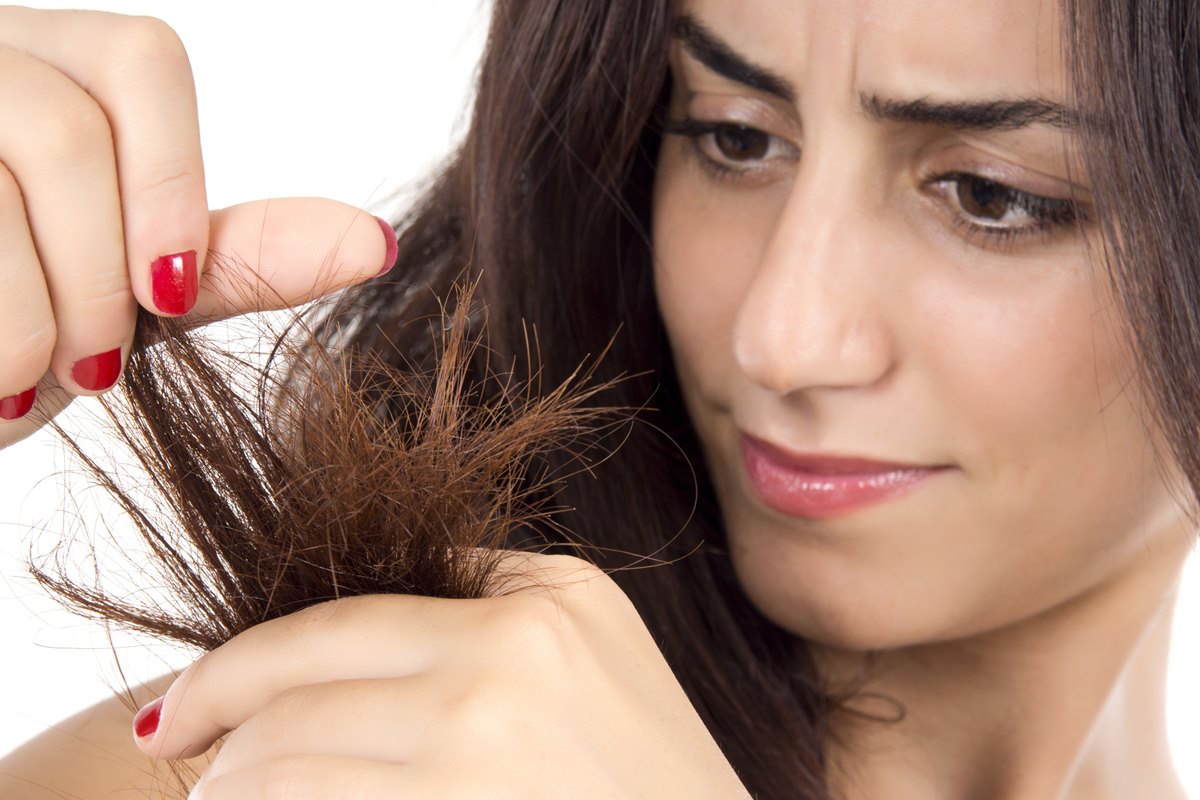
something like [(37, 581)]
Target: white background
[(350, 104)]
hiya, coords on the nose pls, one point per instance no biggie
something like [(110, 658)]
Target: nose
[(813, 316)]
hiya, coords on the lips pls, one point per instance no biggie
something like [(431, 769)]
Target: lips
[(817, 486)]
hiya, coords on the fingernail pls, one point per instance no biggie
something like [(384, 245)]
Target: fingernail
[(17, 405), (96, 373), (145, 723), (175, 283), (389, 260)]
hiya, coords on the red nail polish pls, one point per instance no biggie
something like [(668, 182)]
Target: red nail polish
[(96, 373), (146, 721), (393, 247), (174, 282), (18, 405)]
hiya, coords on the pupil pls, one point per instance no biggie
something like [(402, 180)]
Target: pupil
[(738, 143), (982, 198)]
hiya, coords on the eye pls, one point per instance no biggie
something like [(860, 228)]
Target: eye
[(740, 143), (733, 151), (981, 206), (982, 198)]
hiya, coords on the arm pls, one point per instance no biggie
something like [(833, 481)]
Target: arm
[(92, 755)]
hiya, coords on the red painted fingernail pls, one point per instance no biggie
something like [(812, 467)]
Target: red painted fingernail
[(96, 373), (393, 247), (146, 721), (18, 405), (174, 282)]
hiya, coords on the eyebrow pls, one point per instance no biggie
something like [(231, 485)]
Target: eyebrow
[(991, 115), (984, 115), (719, 57)]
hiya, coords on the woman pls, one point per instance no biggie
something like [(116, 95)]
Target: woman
[(949, 457)]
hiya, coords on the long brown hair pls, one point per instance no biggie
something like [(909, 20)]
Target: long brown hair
[(549, 200), (547, 204), (1136, 77)]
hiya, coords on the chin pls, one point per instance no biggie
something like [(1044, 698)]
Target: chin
[(826, 610), (847, 599)]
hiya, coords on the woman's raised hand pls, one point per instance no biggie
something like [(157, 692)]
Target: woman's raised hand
[(556, 690), (103, 208)]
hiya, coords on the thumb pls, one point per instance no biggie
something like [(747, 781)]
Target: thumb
[(272, 254)]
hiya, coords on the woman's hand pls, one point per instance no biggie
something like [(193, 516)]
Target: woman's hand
[(556, 690), (103, 209)]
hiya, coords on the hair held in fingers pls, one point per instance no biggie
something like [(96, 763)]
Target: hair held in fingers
[(335, 475)]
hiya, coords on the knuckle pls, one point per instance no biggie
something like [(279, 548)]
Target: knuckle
[(482, 715), (77, 130), (586, 584), (570, 564), (27, 353), (284, 709), (275, 723), (320, 616), (569, 572), (167, 176), (312, 627), (533, 629), (145, 37), (38, 342), (306, 628), (105, 310), (108, 290)]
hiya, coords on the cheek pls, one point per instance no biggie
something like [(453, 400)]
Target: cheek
[(1034, 378), (1024, 382), (705, 250)]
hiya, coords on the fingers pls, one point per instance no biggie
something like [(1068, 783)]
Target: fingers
[(136, 71), (365, 638), (107, 153), (150, 97), (308, 777), (61, 164), (27, 334), (387, 636), (392, 720), (103, 166), (272, 254)]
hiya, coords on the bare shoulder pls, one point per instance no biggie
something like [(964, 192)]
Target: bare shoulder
[(92, 755)]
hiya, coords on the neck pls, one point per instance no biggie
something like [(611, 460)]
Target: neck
[(1065, 706)]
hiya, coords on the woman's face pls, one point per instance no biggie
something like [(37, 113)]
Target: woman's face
[(873, 262)]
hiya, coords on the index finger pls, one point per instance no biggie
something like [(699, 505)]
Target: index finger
[(385, 636), (137, 70), (355, 638)]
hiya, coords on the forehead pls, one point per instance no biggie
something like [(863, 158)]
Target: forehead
[(906, 48)]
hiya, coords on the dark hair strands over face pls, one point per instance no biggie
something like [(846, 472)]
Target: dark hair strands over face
[(548, 201), (1136, 68)]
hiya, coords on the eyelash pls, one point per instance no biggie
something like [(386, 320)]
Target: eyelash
[(1047, 216), (694, 130)]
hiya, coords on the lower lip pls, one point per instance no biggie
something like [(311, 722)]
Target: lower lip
[(822, 495)]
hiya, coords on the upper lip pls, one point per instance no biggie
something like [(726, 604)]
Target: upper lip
[(830, 463)]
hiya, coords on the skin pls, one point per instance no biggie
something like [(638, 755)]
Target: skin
[(829, 297), (103, 176), (1019, 602), (554, 689)]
